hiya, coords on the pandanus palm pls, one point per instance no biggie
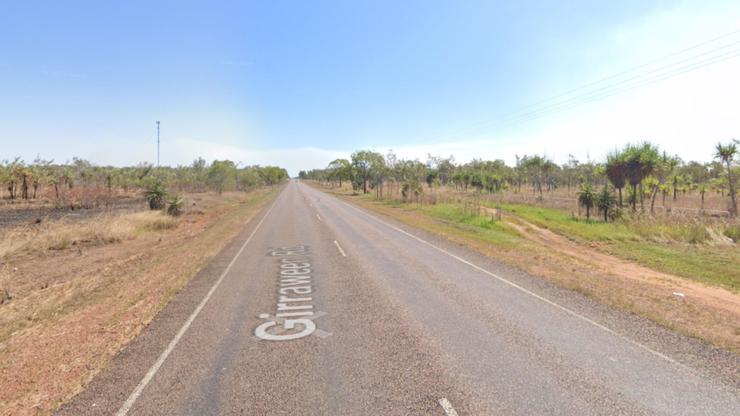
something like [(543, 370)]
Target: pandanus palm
[(587, 199), (726, 153)]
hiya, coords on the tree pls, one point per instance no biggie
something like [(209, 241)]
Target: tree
[(248, 178), (538, 168), (616, 171), (664, 167), (340, 170), (640, 161), (702, 191), (605, 201), (587, 198), (726, 153), (222, 175), (13, 173), (366, 164), (411, 188)]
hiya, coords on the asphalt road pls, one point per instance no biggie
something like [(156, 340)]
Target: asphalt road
[(357, 315)]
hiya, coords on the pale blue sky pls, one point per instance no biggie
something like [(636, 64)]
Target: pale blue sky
[(297, 82)]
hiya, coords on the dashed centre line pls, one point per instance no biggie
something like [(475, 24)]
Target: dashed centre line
[(447, 406), (340, 248)]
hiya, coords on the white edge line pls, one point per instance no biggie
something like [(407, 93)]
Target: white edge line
[(340, 248), (123, 410), (512, 284), (447, 406)]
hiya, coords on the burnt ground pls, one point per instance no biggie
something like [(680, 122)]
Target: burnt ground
[(13, 215)]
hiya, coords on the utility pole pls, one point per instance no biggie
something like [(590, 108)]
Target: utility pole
[(157, 143)]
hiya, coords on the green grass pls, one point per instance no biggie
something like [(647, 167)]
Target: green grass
[(496, 231), (482, 228), (717, 266), (575, 228), (673, 247)]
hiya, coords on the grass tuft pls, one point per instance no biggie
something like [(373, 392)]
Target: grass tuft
[(62, 235)]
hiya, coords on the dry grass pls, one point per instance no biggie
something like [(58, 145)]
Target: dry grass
[(686, 204), (71, 310), (63, 234)]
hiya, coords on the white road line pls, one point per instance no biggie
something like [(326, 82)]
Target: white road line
[(340, 248), (153, 370), (447, 406), (522, 289)]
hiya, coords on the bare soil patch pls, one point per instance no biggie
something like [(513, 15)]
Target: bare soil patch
[(711, 313)]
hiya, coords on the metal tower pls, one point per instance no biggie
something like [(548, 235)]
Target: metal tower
[(157, 142)]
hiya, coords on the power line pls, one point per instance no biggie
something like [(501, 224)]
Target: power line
[(634, 68), (519, 113), (612, 90)]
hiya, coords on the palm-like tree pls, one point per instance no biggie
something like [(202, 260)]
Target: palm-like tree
[(587, 198), (640, 162), (605, 201), (726, 153)]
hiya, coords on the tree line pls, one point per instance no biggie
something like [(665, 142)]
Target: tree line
[(633, 176), (25, 181)]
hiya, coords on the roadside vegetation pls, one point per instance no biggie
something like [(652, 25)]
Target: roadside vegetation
[(640, 178), (639, 203), (81, 184), (45, 206), (90, 254), (640, 231)]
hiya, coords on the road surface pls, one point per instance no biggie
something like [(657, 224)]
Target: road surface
[(321, 308)]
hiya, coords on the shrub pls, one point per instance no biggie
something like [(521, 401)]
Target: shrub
[(411, 189), (155, 195), (174, 205)]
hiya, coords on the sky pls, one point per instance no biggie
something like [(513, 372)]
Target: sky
[(298, 84)]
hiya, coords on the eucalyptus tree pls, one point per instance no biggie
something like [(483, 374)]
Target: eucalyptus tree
[(664, 167), (13, 175), (408, 174), (248, 178), (570, 171), (339, 170), (445, 167), (726, 153), (540, 170), (222, 175), (366, 164)]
